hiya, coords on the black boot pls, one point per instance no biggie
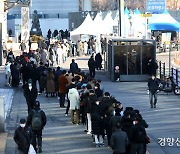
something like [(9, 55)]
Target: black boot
[(39, 149)]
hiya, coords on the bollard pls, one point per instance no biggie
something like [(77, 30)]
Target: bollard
[(2, 115)]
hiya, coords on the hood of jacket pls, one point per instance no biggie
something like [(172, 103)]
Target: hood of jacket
[(72, 91)]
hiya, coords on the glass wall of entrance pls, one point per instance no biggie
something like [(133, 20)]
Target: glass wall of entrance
[(129, 59)]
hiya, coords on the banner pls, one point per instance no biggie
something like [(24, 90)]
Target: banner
[(25, 24), (155, 6)]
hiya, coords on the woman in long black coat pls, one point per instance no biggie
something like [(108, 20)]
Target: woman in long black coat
[(98, 60), (30, 94), (97, 124), (15, 73)]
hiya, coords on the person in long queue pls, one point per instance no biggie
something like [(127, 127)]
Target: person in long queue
[(37, 120), (92, 66)]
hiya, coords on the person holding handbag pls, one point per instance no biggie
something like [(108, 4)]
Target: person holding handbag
[(23, 137)]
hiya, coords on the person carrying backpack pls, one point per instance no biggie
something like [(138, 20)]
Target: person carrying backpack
[(138, 138), (37, 120)]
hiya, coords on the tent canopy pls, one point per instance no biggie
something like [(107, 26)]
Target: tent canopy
[(85, 27), (163, 22)]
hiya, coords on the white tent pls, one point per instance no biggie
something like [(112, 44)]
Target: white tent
[(138, 24), (116, 19), (98, 23), (85, 28), (127, 24), (88, 27), (108, 24)]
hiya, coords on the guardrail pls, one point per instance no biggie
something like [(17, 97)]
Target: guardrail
[(163, 71), (176, 76)]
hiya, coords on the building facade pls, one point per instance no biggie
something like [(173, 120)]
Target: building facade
[(49, 8)]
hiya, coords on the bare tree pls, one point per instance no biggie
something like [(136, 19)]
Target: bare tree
[(131, 4)]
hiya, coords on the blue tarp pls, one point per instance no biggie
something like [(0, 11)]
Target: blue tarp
[(163, 22)]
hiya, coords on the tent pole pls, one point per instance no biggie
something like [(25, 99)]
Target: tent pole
[(119, 4)]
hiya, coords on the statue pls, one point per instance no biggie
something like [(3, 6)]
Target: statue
[(35, 29)]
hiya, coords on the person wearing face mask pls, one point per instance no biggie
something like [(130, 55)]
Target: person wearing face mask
[(23, 137), (153, 87), (137, 137), (98, 90), (30, 93), (37, 120)]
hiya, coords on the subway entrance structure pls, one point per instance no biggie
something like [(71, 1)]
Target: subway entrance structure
[(127, 59)]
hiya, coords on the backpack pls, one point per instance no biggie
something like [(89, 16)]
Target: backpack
[(37, 120), (139, 135)]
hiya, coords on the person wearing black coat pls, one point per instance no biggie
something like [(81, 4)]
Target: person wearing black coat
[(114, 120), (152, 67), (37, 133), (30, 94), (88, 101), (153, 85), (98, 91), (138, 138), (105, 104), (127, 124), (73, 67), (119, 140), (40, 72), (10, 56), (97, 127), (92, 66), (25, 72), (33, 72), (98, 59), (15, 73), (23, 137)]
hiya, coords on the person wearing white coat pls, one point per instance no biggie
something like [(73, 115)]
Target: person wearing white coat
[(8, 73), (74, 99)]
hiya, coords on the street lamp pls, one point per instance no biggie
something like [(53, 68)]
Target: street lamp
[(176, 7)]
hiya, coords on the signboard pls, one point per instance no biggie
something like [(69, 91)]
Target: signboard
[(168, 38), (146, 15), (25, 24), (84, 38), (155, 6)]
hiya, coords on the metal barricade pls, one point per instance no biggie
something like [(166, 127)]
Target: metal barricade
[(161, 70), (176, 76)]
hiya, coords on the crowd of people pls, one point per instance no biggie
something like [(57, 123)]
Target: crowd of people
[(87, 100), (94, 107)]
